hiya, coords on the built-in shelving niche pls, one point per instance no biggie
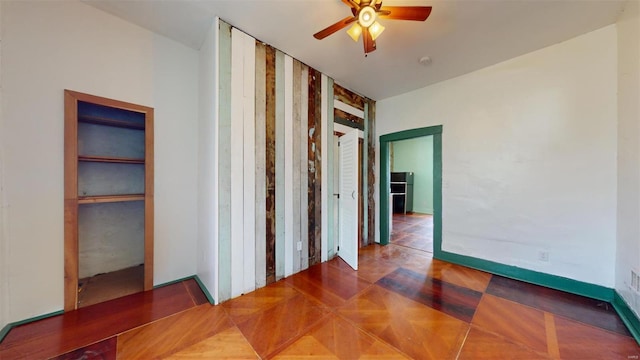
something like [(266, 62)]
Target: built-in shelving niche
[(108, 199)]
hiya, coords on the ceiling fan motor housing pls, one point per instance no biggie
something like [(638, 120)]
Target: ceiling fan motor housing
[(366, 16)]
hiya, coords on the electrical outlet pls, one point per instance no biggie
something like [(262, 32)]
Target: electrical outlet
[(543, 256), (299, 245)]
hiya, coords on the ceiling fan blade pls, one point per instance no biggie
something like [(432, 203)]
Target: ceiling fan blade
[(333, 28), (369, 43), (351, 3), (415, 13)]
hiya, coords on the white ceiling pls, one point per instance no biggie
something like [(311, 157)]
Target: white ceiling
[(460, 36)]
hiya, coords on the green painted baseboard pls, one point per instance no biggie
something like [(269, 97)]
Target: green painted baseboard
[(197, 279), (530, 276), (204, 290), (627, 315), (5, 330), (551, 281)]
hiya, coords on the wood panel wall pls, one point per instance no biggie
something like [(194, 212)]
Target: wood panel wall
[(261, 192), (270, 169), (371, 170), (224, 164), (274, 112), (314, 149)]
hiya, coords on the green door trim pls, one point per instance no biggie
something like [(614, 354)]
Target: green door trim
[(436, 132)]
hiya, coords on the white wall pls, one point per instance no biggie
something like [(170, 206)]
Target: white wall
[(628, 250), (207, 179), (529, 157), (50, 46), (4, 263), (175, 100)]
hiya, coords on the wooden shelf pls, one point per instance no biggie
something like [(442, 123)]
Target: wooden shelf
[(108, 159), (109, 198), (110, 122)]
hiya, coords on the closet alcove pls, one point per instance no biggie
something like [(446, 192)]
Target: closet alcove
[(108, 203)]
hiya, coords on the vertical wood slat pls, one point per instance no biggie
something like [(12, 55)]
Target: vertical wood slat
[(70, 202), (224, 163), (237, 156), (260, 180), (364, 177), (288, 164), (270, 163), (324, 199), (280, 166), (249, 162), (311, 156), (314, 151), (371, 173), (148, 200), (329, 182), (318, 166), (304, 166), (295, 158)]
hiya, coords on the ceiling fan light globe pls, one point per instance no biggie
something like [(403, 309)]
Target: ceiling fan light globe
[(354, 31), (367, 16), (375, 30)]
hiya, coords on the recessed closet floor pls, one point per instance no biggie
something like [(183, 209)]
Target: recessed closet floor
[(103, 287)]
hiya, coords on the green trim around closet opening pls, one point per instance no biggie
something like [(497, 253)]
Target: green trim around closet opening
[(198, 281), (5, 330)]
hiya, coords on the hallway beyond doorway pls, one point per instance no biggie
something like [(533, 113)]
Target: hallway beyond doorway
[(413, 230)]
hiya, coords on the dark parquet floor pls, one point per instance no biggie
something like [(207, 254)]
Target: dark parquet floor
[(400, 304)]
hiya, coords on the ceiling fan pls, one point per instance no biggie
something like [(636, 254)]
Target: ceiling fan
[(365, 14)]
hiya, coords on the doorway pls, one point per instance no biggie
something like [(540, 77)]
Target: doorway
[(411, 197), (386, 201)]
